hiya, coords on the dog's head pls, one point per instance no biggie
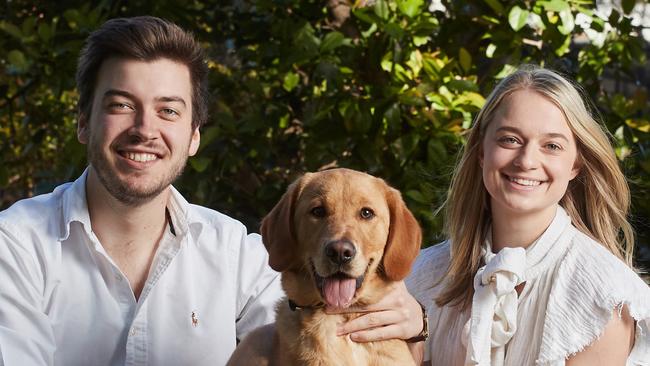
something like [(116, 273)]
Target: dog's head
[(339, 236)]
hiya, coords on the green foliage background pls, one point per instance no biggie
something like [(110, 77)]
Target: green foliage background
[(388, 87)]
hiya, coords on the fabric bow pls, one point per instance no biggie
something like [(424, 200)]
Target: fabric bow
[(493, 319)]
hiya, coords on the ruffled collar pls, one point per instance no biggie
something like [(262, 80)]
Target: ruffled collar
[(493, 320), (543, 252)]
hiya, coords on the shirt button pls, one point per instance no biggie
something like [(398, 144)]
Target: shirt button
[(133, 331)]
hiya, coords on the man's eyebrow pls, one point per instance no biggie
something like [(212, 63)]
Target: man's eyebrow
[(119, 93), (126, 94), (517, 131), (172, 98)]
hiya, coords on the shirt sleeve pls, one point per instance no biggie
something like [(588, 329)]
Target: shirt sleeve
[(26, 335), (259, 286)]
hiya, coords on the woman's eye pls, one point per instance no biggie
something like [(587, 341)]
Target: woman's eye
[(552, 146), (318, 211), (508, 140), (366, 213)]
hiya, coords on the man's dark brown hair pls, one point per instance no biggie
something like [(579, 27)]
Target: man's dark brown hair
[(143, 38)]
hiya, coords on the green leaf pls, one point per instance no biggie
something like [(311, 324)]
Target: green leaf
[(628, 6), (489, 51), (417, 196), (471, 98), (17, 59), (465, 59), (367, 33), (394, 30), (200, 163), (45, 32), (410, 8), (517, 18), (208, 135), (381, 9), (29, 24), (284, 121), (564, 48), (505, 71), (73, 17), (554, 5), (332, 41), (420, 40), (496, 6), (11, 29), (392, 116), (460, 85), (291, 79), (568, 23)]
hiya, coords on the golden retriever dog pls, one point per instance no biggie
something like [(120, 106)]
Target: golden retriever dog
[(340, 238)]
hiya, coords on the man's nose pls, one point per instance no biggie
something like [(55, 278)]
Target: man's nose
[(145, 126)]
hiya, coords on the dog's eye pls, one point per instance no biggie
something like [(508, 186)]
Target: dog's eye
[(367, 213), (318, 211)]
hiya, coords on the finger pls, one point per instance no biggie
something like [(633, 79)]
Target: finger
[(370, 321), (376, 334)]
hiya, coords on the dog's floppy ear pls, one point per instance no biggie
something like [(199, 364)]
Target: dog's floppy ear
[(404, 238), (277, 228)]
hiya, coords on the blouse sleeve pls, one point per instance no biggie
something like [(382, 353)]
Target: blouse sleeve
[(589, 285)]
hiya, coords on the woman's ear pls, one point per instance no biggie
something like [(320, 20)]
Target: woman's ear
[(577, 166)]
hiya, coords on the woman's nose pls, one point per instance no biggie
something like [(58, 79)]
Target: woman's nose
[(527, 158)]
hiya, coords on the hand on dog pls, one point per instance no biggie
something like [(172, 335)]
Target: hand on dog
[(396, 316)]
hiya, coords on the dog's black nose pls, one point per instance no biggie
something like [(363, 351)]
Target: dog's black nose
[(340, 251)]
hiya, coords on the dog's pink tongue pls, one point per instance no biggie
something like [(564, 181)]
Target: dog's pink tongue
[(339, 292)]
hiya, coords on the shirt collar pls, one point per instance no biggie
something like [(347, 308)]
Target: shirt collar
[(547, 248), (180, 213), (75, 209)]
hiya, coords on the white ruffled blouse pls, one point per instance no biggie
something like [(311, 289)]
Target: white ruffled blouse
[(573, 286)]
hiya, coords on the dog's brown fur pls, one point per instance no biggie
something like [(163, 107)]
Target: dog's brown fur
[(294, 236)]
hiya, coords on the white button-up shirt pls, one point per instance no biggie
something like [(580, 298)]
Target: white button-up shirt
[(63, 301)]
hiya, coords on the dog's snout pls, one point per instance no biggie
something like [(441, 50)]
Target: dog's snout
[(340, 251)]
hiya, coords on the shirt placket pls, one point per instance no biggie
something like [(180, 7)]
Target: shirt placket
[(137, 342), (137, 338)]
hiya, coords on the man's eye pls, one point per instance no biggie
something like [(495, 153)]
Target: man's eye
[(120, 106), (169, 112)]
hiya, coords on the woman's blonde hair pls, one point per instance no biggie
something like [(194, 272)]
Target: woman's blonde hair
[(597, 200)]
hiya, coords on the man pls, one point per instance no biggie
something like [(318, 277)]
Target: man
[(117, 268)]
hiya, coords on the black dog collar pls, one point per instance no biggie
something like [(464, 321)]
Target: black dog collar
[(293, 306)]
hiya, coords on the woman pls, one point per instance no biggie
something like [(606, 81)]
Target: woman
[(538, 265)]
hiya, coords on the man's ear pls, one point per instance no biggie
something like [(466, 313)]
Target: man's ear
[(83, 130), (195, 142)]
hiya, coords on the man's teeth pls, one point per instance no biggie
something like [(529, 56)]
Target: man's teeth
[(140, 157), (525, 182)]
